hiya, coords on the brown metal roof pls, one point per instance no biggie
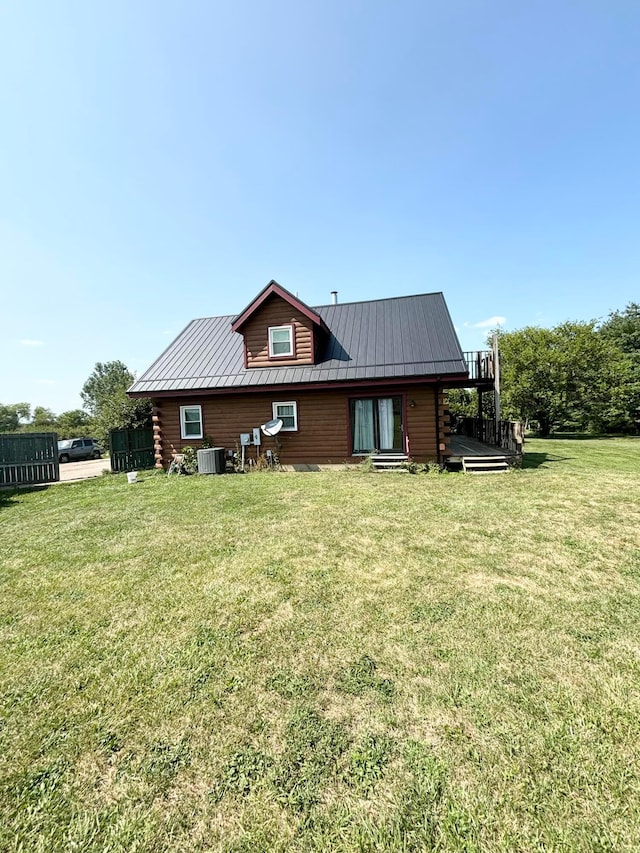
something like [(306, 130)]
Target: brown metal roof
[(402, 337)]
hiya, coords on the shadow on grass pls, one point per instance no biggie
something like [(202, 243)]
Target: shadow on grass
[(538, 460), (8, 494), (581, 436)]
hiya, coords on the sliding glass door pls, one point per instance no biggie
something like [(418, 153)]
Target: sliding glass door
[(376, 424)]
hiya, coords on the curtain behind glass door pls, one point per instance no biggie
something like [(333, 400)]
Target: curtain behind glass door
[(363, 435), (376, 424), (386, 423)]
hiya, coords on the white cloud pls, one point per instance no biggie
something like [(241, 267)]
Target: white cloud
[(489, 323), (29, 342), (46, 381)]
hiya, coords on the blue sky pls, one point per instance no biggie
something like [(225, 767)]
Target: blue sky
[(163, 161)]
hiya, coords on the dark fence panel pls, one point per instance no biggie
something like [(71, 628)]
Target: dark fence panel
[(131, 449), (29, 458)]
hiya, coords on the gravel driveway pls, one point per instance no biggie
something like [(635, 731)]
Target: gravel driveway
[(70, 471)]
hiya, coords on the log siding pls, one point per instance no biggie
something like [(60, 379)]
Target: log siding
[(156, 420), (277, 312), (323, 435)]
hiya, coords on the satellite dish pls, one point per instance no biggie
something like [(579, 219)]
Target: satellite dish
[(272, 427)]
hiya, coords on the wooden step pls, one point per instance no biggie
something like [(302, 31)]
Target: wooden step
[(387, 461), (485, 464)]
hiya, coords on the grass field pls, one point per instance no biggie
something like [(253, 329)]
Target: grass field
[(336, 661)]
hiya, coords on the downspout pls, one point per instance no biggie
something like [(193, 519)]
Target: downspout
[(437, 397), (405, 426)]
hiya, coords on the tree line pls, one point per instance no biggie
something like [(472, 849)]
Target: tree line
[(106, 407), (577, 376)]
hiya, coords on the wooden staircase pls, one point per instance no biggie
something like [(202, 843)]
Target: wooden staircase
[(485, 464), (388, 461)]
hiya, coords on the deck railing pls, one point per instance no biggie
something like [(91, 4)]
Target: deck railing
[(480, 364), (509, 435)]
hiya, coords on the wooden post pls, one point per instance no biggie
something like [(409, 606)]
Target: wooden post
[(496, 384)]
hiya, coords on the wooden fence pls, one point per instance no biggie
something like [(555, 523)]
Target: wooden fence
[(131, 449), (29, 458)]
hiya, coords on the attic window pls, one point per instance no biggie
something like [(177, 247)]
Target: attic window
[(280, 341)]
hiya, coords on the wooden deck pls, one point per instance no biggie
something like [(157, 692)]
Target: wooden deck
[(462, 445)]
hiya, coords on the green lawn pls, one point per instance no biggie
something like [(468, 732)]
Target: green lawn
[(334, 661)]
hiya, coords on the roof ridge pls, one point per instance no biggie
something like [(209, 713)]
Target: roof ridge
[(381, 299), (215, 317), (337, 305)]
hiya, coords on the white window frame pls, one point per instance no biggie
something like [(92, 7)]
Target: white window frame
[(291, 353), (274, 409), (183, 422)]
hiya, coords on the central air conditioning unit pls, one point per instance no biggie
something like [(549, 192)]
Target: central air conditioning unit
[(211, 460)]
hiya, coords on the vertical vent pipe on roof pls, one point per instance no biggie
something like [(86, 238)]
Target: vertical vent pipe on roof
[(334, 297)]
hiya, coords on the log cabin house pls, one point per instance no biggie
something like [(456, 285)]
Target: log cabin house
[(347, 380)]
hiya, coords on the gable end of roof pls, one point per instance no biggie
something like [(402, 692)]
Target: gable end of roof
[(275, 289)]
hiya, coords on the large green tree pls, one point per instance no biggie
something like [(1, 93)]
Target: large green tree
[(104, 395), (108, 380), (463, 402), (74, 424), (622, 330), (12, 415), (42, 420), (557, 377)]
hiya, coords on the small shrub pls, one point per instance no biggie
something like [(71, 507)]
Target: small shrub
[(190, 460), (266, 463), (434, 468)]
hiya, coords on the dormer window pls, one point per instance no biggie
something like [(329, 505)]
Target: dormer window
[(281, 341), (278, 329)]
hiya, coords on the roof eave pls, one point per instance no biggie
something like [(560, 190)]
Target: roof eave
[(429, 379)]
